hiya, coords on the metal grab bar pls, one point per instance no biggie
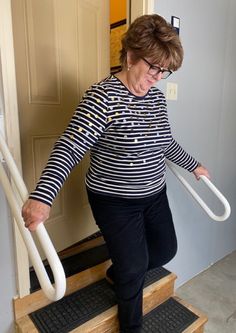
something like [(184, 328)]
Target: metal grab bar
[(52, 293), (212, 187)]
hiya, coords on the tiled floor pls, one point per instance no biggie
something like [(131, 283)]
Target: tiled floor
[(214, 292)]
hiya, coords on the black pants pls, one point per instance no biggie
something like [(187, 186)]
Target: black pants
[(140, 235)]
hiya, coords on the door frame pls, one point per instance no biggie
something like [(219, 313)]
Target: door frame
[(137, 8), (12, 133)]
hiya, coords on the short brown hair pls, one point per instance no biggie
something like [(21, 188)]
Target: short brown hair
[(150, 36)]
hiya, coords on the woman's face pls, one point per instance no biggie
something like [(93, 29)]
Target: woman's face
[(139, 76)]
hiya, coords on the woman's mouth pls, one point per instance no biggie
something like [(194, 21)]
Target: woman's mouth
[(151, 82)]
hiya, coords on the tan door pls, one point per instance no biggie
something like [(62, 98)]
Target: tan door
[(61, 47)]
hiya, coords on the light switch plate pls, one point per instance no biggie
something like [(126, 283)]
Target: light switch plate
[(175, 21), (171, 91)]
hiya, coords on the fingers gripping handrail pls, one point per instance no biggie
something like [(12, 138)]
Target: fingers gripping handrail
[(212, 187), (53, 293)]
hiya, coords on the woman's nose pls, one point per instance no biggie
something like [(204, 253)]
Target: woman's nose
[(158, 76)]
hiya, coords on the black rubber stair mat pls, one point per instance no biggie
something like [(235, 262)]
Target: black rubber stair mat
[(154, 275), (75, 309), (74, 264), (169, 317)]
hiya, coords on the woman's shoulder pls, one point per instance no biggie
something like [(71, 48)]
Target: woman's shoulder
[(157, 93), (104, 83), (98, 88), (110, 87), (103, 86)]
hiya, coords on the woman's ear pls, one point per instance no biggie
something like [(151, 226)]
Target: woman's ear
[(129, 57)]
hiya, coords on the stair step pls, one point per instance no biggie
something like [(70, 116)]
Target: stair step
[(90, 255), (85, 244), (172, 317), (94, 307), (37, 300)]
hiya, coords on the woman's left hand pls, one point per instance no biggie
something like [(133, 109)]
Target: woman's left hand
[(201, 171)]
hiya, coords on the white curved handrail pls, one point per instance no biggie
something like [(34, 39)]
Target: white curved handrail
[(199, 200), (53, 293)]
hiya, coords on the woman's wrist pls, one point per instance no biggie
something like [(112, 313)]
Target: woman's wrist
[(198, 165)]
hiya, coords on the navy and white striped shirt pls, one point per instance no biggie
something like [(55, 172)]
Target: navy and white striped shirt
[(129, 138)]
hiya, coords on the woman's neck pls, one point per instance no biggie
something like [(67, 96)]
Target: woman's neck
[(125, 77)]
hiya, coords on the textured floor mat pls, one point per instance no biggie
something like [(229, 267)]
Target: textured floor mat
[(169, 317), (154, 275), (83, 305), (74, 264)]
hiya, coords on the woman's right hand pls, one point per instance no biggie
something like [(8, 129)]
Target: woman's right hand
[(34, 212)]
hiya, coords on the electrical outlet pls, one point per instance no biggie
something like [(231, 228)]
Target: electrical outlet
[(171, 91)]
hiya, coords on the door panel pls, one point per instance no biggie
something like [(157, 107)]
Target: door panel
[(61, 48), (42, 53)]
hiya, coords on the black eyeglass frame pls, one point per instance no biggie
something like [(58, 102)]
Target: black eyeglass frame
[(157, 69)]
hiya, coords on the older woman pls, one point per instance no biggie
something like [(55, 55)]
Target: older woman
[(123, 121)]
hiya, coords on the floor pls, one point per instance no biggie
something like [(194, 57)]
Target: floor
[(214, 292)]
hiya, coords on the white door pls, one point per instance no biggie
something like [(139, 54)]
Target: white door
[(18, 9), (61, 48)]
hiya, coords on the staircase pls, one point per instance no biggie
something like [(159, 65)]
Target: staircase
[(89, 305)]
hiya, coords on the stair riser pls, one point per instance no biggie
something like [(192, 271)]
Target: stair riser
[(199, 329), (25, 325), (154, 295)]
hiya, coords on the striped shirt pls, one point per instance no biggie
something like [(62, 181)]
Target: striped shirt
[(129, 138)]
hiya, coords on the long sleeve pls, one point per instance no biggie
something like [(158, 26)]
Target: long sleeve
[(86, 126), (175, 153)]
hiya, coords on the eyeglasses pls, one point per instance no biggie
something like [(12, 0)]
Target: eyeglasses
[(155, 70)]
